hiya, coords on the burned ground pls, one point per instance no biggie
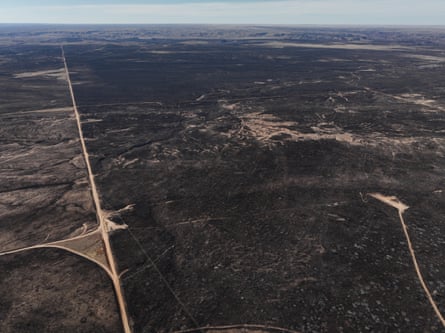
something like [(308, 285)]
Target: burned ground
[(248, 163)]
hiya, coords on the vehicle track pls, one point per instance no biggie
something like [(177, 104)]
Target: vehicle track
[(241, 327), (99, 212), (78, 245), (401, 207)]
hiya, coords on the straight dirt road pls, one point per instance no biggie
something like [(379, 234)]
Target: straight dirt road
[(99, 212)]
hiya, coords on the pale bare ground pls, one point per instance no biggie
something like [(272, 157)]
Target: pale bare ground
[(130, 162), (278, 44), (429, 58), (367, 70), (264, 127), (334, 60), (108, 215), (124, 104), (417, 99), (270, 130), (123, 162), (160, 52), (195, 42), (120, 130), (92, 121), (230, 107), (200, 98), (401, 208), (52, 73)]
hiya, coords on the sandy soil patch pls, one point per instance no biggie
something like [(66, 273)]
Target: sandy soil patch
[(271, 130), (265, 127)]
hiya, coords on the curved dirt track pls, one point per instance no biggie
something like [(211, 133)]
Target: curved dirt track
[(401, 207), (88, 246)]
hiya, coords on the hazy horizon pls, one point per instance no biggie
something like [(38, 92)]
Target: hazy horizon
[(267, 12)]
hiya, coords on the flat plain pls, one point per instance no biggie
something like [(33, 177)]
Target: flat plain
[(249, 178)]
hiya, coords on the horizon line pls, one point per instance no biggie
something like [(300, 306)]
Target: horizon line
[(233, 24)]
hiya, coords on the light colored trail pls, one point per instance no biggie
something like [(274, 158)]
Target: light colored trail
[(401, 207), (99, 213), (121, 104), (20, 113), (240, 327), (80, 242)]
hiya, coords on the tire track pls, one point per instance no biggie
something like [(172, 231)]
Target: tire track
[(99, 212), (401, 207)]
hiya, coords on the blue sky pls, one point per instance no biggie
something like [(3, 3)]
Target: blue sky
[(396, 12)]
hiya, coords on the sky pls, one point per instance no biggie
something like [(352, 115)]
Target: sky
[(324, 12)]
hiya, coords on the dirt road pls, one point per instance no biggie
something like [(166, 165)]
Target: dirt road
[(401, 207), (99, 212)]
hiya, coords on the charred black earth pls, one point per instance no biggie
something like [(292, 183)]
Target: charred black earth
[(239, 169)]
